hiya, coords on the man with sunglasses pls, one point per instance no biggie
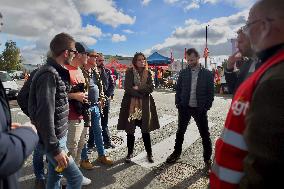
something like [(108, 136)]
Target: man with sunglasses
[(89, 71), (250, 152), (48, 109), (108, 85), (76, 131)]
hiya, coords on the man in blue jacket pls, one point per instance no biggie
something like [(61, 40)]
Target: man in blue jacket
[(17, 143)]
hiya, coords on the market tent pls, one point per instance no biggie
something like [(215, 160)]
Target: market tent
[(157, 59), (115, 64)]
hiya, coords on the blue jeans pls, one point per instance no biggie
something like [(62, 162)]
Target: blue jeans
[(95, 134), (71, 173), (104, 123), (38, 163)]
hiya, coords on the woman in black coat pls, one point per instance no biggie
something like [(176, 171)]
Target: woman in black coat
[(138, 106)]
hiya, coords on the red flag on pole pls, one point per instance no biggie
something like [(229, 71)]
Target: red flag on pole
[(172, 58), (217, 77), (206, 52)]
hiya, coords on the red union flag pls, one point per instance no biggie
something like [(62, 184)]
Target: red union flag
[(206, 52), (217, 78)]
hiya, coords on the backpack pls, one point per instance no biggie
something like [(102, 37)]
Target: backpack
[(23, 96)]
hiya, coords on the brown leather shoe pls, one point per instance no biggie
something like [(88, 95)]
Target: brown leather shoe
[(86, 164), (105, 160)]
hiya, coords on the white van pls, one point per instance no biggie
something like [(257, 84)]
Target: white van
[(9, 84)]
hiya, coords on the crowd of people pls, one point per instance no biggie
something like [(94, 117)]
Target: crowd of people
[(69, 97)]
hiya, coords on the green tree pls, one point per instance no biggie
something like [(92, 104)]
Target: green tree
[(224, 63), (10, 59)]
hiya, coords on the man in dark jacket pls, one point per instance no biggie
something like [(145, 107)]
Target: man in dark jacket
[(108, 85), (17, 143), (246, 57), (194, 97), (48, 109), (38, 163)]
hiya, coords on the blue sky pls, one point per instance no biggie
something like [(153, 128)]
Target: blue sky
[(124, 27)]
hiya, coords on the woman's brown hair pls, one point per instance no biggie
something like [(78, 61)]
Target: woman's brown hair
[(134, 60)]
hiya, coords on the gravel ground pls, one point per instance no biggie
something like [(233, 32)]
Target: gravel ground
[(186, 173)]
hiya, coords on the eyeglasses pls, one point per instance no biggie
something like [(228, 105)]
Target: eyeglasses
[(73, 51), (249, 24), (92, 56), (246, 27), (84, 53)]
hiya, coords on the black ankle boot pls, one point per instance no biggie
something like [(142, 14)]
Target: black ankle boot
[(150, 158), (128, 158), (130, 147)]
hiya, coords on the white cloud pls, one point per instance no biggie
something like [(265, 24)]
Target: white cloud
[(242, 3), (128, 31), (192, 34), (171, 1), (195, 4), (192, 5), (191, 21), (92, 31), (38, 24), (210, 1), (105, 11), (118, 38), (145, 2)]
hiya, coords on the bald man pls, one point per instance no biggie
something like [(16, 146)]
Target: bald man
[(250, 151), (264, 134)]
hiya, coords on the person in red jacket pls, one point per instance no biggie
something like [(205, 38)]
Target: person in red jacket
[(249, 153)]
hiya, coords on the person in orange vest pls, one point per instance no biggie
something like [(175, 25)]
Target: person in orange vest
[(249, 153), (26, 77)]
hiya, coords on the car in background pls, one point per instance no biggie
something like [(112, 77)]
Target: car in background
[(16, 74), (10, 85)]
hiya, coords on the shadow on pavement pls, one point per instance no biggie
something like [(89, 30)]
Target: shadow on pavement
[(101, 175), (189, 181)]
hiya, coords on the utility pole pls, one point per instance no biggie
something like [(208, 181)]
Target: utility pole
[(1, 23), (206, 47)]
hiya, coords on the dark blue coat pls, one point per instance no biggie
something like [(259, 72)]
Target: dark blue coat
[(108, 82), (204, 89), (15, 145)]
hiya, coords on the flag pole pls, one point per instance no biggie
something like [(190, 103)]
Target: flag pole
[(206, 34)]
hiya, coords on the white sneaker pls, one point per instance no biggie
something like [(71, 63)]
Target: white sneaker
[(86, 181)]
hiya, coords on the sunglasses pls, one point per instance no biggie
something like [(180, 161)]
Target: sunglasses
[(73, 51), (84, 53), (92, 56)]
